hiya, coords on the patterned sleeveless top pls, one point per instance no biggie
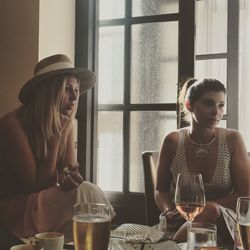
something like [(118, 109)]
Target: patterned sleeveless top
[(221, 182)]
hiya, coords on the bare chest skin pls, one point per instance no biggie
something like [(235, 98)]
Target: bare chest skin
[(206, 166)]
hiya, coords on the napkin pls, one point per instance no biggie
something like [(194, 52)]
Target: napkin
[(136, 233)]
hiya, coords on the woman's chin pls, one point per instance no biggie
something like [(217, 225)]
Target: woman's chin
[(67, 112)]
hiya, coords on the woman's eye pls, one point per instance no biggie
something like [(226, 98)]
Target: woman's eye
[(207, 103), (71, 90), (68, 88)]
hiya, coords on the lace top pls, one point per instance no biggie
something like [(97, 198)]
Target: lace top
[(221, 182)]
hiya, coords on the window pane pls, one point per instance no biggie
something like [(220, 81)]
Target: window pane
[(110, 151), (154, 63), (146, 134), (155, 7), (110, 9), (111, 64), (222, 124), (211, 26), (212, 68)]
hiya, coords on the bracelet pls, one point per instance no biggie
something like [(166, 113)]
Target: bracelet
[(66, 170), (165, 211)]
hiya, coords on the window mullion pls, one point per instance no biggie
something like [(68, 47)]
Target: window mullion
[(233, 63), (126, 114)]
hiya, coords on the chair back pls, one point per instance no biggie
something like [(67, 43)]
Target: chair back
[(149, 159)]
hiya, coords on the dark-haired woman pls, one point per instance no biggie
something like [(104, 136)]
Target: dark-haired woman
[(219, 154)]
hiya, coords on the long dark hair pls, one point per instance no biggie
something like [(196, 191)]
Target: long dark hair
[(193, 89)]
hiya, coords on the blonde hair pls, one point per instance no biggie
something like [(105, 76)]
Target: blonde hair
[(41, 117)]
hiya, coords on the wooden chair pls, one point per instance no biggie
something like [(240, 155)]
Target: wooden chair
[(149, 159)]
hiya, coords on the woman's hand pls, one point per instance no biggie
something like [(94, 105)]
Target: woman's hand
[(174, 220), (70, 178)]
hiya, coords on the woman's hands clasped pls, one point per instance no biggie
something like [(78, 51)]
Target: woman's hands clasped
[(70, 178), (174, 220)]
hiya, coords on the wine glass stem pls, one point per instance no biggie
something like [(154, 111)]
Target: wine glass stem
[(188, 230)]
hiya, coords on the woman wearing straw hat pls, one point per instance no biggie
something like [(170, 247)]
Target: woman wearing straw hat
[(39, 176)]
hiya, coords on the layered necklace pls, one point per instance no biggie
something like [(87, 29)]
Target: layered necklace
[(201, 151)]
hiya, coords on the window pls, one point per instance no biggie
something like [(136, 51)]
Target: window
[(141, 50), (137, 87), (216, 49)]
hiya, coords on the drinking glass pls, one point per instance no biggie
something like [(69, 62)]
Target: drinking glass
[(201, 235), (91, 226), (243, 221), (189, 195)]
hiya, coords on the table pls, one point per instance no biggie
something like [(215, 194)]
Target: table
[(115, 244), (7, 240)]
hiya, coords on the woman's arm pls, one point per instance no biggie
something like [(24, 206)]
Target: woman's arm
[(240, 167), (70, 158), (163, 175), (70, 177), (20, 157)]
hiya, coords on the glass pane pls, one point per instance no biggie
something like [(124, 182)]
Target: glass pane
[(111, 64), (110, 151), (111, 9), (146, 134), (154, 63), (222, 124), (244, 76), (211, 26), (212, 68), (155, 7)]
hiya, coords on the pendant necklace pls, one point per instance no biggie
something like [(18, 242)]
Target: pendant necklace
[(201, 152)]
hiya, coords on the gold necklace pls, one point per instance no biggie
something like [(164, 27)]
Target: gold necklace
[(201, 152)]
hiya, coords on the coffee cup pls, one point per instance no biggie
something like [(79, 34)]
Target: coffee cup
[(50, 240), (26, 247)]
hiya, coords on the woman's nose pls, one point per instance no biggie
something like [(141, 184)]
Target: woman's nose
[(216, 110), (74, 95)]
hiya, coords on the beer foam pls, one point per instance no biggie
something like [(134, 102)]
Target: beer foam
[(90, 218), (243, 223)]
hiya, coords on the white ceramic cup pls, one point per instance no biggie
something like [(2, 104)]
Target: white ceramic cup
[(50, 240), (26, 247)]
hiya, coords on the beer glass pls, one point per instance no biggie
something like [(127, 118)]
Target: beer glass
[(91, 226), (243, 221)]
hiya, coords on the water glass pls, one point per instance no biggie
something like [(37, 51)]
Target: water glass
[(201, 235), (91, 226)]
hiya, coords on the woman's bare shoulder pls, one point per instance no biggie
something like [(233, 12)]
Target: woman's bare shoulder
[(172, 136), (233, 135), (10, 122), (234, 139), (171, 139)]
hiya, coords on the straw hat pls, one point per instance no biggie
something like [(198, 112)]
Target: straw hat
[(55, 65)]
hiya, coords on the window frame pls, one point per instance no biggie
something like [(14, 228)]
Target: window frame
[(86, 56), (130, 206)]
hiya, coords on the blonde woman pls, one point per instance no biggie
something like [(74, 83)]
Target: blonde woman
[(39, 177)]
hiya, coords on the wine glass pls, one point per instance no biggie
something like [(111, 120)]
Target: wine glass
[(243, 221), (189, 195)]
